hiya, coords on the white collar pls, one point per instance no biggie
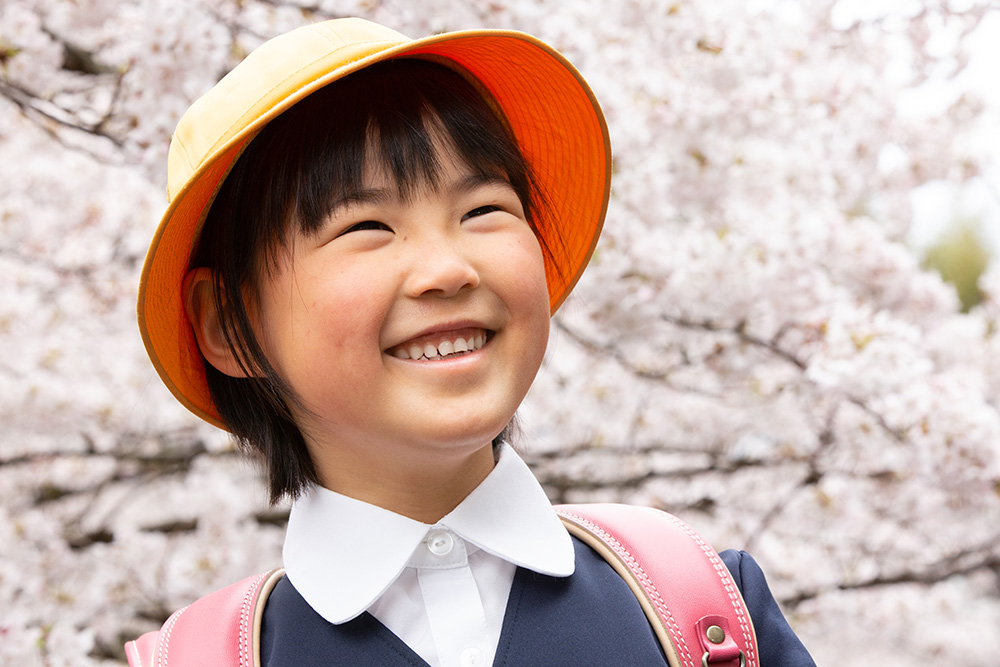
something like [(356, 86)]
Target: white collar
[(341, 554)]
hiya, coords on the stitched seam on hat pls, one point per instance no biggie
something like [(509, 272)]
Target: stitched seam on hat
[(727, 581), (187, 156), (226, 135), (643, 578)]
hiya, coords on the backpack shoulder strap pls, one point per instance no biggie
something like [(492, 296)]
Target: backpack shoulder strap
[(686, 591), (218, 630), (688, 594)]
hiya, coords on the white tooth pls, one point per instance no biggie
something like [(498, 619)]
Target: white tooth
[(430, 351), (401, 354), (416, 352), (445, 348), (480, 340), (461, 345)]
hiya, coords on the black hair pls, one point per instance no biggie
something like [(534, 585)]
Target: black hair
[(291, 174)]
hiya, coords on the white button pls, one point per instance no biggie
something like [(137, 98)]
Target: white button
[(472, 657), (440, 543)]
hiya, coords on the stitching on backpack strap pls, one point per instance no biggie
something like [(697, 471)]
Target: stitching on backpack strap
[(723, 573), (647, 583), (162, 653), (246, 614), (135, 648)]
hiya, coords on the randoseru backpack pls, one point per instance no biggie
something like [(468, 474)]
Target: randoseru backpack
[(686, 591)]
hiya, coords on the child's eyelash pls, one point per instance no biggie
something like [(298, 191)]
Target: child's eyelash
[(366, 225), (369, 225), (481, 210)]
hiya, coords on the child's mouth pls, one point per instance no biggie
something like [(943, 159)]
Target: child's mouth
[(445, 345)]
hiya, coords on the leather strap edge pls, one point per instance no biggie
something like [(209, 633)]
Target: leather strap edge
[(634, 540), (739, 605), (273, 577), (598, 544)]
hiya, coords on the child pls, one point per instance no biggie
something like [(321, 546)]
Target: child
[(365, 240)]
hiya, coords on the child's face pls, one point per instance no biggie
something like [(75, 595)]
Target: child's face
[(349, 315)]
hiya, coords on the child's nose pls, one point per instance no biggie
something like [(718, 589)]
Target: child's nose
[(441, 270)]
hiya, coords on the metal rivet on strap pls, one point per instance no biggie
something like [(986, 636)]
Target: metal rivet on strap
[(715, 634)]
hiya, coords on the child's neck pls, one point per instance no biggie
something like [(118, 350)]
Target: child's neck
[(423, 487)]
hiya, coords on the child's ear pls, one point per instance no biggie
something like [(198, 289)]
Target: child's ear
[(200, 306)]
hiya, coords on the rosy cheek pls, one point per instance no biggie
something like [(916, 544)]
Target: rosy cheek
[(536, 284)]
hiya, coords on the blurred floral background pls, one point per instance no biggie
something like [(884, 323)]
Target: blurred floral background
[(788, 336)]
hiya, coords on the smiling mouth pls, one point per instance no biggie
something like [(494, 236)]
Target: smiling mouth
[(445, 345)]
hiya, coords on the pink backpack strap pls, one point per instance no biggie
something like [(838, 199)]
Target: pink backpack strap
[(218, 630), (688, 594)]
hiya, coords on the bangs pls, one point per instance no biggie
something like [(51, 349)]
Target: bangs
[(391, 117)]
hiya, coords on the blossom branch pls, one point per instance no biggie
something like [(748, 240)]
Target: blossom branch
[(38, 110), (616, 353), (739, 330), (773, 346), (966, 562)]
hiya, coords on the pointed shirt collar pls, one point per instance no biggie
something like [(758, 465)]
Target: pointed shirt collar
[(341, 554)]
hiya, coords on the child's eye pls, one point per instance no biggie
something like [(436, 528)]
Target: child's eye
[(482, 210), (366, 226)]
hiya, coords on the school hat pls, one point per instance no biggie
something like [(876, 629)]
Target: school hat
[(549, 108)]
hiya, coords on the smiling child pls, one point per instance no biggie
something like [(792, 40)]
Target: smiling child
[(366, 238)]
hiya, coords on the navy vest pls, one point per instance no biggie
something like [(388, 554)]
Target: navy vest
[(589, 618)]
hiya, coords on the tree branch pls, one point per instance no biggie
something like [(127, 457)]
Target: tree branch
[(984, 557), (32, 107), (604, 350), (773, 346), (740, 332)]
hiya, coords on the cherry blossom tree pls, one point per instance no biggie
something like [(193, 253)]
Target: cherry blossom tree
[(755, 346)]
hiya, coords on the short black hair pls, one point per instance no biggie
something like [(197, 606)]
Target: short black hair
[(291, 173)]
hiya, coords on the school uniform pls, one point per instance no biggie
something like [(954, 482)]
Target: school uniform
[(498, 581)]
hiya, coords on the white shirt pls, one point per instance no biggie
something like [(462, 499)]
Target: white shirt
[(440, 588)]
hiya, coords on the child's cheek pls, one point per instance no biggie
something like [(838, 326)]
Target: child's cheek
[(315, 314), (531, 276)]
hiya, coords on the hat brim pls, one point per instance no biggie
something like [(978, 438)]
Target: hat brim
[(550, 109)]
